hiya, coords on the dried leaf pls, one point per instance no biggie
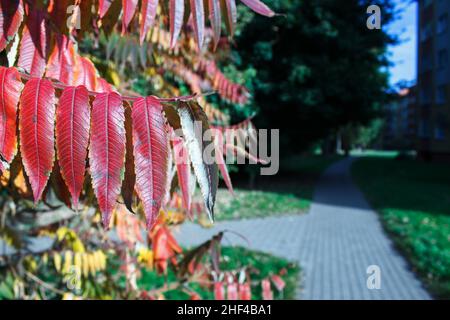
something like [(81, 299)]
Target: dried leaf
[(194, 123)]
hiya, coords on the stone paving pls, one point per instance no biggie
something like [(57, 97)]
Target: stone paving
[(335, 244)]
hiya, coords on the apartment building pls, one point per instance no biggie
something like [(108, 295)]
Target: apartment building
[(433, 83), (401, 121)]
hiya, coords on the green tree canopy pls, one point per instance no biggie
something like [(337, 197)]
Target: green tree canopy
[(319, 67)]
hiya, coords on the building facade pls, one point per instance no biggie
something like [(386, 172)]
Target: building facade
[(433, 81), (400, 126)]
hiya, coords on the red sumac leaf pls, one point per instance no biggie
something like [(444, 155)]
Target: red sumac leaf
[(215, 19), (61, 62), (176, 9), (228, 8), (103, 6), (245, 292), (129, 8), (219, 291), (85, 73), (72, 137), (278, 282), (33, 46), (103, 86), (259, 7), (107, 151), (222, 165), (232, 291), (11, 15), (150, 142), (267, 292), (148, 14), (181, 158), (37, 138), (164, 247), (10, 89), (198, 16)]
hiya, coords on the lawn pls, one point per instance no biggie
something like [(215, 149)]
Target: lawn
[(413, 199), (258, 204), (289, 192), (261, 264)]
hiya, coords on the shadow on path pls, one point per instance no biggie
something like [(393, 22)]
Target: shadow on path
[(335, 243)]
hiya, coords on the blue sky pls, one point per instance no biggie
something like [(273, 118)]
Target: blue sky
[(404, 55)]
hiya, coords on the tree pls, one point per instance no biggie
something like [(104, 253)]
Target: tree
[(65, 109), (319, 64)]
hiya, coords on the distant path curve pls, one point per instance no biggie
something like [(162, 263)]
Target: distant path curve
[(334, 243)]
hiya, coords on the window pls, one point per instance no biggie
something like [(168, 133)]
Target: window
[(442, 24), (425, 95), (425, 3), (442, 58), (439, 133), (441, 95), (424, 128), (426, 32), (426, 63)]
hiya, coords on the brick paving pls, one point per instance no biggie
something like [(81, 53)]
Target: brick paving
[(334, 243)]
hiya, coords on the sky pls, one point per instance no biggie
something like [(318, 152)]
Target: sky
[(404, 55)]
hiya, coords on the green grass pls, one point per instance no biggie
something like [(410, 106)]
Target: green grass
[(254, 204), (375, 153), (413, 199), (311, 166), (234, 258), (289, 192)]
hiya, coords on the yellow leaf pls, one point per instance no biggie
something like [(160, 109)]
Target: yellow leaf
[(57, 261), (67, 261), (85, 265), (77, 261)]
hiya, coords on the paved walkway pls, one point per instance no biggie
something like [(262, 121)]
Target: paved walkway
[(334, 243)]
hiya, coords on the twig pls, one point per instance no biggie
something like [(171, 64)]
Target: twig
[(44, 284), (62, 86)]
